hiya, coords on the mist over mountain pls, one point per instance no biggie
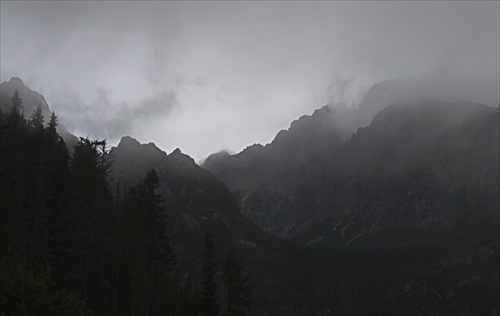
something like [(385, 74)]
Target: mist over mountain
[(31, 99), (232, 158), (362, 210), (311, 170), (405, 180), (208, 76)]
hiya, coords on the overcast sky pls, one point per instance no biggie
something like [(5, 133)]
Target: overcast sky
[(206, 76)]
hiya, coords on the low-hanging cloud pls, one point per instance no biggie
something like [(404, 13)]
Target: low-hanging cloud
[(236, 72), (104, 118)]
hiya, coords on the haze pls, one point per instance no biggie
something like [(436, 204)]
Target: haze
[(205, 76)]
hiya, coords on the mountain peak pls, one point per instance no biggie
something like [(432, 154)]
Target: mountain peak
[(178, 156), (16, 81), (127, 141), (214, 160), (130, 144), (31, 100)]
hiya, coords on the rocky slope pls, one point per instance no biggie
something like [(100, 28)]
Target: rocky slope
[(403, 215), (426, 166), (197, 202), (413, 166)]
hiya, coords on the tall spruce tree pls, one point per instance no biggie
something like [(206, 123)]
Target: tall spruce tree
[(13, 169), (146, 252), (210, 307), (237, 288), (38, 219), (58, 193), (17, 102), (36, 119), (89, 214)]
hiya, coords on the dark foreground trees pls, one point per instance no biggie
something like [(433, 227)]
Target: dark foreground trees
[(70, 244), (145, 254), (237, 287), (59, 214), (26, 292), (210, 306), (236, 284)]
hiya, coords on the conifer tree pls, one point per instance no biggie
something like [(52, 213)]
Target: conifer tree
[(210, 307), (58, 192), (147, 251), (15, 118), (88, 215), (14, 173), (52, 125), (237, 288), (17, 102), (36, 119)]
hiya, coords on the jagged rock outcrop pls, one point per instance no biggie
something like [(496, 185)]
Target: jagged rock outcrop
[(432, 165), (410, 167), (407, 206)]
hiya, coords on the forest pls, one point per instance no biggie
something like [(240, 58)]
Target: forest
[(75, 242), (274, 158), (399, 218)]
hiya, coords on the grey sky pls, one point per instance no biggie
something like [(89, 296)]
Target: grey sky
[(205, 76)]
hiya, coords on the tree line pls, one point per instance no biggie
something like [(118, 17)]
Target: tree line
[(74, 242)]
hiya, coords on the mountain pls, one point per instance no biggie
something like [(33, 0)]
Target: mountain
[(406, 168), (414, 167), (31, 99), (388, 209), (401, 216), (275, 183), (267, 180), (197, 202)]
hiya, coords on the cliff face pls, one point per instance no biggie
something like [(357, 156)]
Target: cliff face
[(422, 167), (417, 165)]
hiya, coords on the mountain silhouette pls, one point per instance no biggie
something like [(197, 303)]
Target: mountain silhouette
[(31, 99), (408, 167)]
